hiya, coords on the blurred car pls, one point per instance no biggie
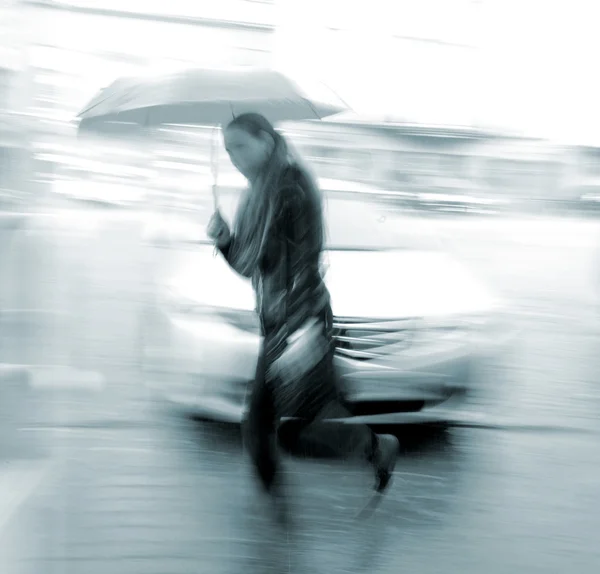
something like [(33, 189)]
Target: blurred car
[(452, 196), (412, 324)]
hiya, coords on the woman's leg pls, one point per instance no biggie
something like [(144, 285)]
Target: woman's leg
[(260, 437), (260, 429), (379, 450), (326, 403)]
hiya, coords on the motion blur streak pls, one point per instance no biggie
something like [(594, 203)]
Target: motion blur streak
[(463, 253)]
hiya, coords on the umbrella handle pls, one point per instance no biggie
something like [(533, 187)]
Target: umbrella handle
[(215, 195), (214, 160)]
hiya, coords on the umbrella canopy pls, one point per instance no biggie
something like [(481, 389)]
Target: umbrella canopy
[(204, 97)]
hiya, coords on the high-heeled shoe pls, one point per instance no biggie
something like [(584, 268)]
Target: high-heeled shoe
[(385, 461), (383, 456)]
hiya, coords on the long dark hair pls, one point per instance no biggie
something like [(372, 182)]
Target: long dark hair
[(257, 207)]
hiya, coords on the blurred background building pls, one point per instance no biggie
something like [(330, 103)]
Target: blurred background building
[(15, 149), (84, 45), (426, 118)]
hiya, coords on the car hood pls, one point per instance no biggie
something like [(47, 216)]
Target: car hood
[(363, 284), (392, 284)]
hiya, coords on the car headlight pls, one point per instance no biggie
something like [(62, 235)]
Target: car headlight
[(242, 319)]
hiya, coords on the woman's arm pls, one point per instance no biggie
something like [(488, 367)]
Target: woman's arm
[(225, 242), (225, 250)]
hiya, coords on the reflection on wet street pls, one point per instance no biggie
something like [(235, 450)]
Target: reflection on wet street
[(138, 488), (179, 498)]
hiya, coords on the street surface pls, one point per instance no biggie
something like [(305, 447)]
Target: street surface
[(178, 498), (135, 488)]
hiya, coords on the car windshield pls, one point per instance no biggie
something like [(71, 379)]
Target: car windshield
[(359, 224), (354, 222)]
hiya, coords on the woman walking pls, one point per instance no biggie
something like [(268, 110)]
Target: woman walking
[(277, 242)]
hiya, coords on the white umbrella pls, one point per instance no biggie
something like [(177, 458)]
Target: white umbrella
[(204, 97)]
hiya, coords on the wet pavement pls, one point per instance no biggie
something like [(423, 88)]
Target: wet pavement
[(178, 497), (137, 488)]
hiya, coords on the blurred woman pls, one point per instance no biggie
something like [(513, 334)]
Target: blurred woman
[(277, 242)]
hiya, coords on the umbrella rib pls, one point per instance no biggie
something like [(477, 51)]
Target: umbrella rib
[(336, 95), (312, 108), (95, 105)]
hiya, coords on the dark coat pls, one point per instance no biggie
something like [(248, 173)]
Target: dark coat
[(289, 284)]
